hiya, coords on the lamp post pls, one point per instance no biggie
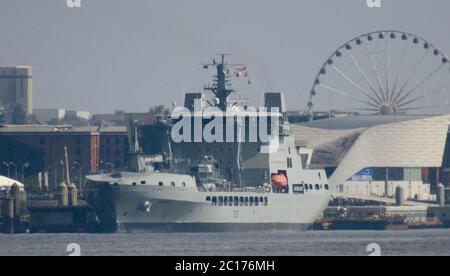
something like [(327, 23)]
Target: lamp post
[(80, 183), (100, 166), (112, 166), (24, 166), (55, 171), (62, 164), (7, 165), (15, 169)]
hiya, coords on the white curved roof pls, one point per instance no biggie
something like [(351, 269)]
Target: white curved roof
[(361, 121), (409, 142), (6, 182)]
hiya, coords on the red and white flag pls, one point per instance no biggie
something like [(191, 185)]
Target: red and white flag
[(241, 71)]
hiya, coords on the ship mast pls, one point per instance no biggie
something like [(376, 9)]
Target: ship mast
[(221, 87)]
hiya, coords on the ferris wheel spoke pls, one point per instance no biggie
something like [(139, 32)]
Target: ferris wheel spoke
[(421, 97), (420, 84), (367, 94), (408, 80), (375, 69), (394, 93), (348, 95), (364, 74), (388, 61)]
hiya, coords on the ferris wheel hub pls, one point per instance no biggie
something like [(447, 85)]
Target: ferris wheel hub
[(387, 110)]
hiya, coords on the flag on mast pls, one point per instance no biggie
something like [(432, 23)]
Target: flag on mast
[(241, 72)]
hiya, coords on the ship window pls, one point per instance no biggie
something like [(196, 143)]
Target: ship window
[(327, 187), (161, 184), (251, 201), (230, 200), (311, 187), (306, 187), (236, 201), (208, 198), (261, 200), (134, 183), (214, 200), (298, 189), (173, 184), (183, 184), (256, 201), (266, 201), (246, 201), (220, 200), (241, 201), (317, 187), (142, 182), (225, 201)]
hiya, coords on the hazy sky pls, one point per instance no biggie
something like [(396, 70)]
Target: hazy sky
[(134, 54)]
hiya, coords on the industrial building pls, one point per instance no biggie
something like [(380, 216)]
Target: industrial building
[(42, 148), (16, 88), (373, 155)]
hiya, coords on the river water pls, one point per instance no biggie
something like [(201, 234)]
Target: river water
[(334, 243)]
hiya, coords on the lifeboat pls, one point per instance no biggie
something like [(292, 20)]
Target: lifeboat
[(280, 180)]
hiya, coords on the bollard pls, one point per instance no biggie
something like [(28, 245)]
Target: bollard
[(441, 195), (63, 196), (8, 222), (399, 196), (73, 195), (17, 197)]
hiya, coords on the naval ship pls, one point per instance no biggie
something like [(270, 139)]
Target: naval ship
[(201, 186)]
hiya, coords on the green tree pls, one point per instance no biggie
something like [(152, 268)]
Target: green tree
[(158, 110), (18, 116)]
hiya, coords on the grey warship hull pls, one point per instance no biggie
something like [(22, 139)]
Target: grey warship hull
[(183, 208)]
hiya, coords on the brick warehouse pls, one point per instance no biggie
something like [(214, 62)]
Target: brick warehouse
[(42, 147)]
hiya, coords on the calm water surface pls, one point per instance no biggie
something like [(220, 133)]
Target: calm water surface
[(424, 242)]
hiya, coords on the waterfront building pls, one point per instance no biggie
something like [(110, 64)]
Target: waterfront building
[(373, 155)]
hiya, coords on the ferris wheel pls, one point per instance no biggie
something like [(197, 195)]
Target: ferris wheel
[(384, 73)]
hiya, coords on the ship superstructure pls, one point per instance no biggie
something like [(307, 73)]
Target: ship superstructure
[(235, 183)]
